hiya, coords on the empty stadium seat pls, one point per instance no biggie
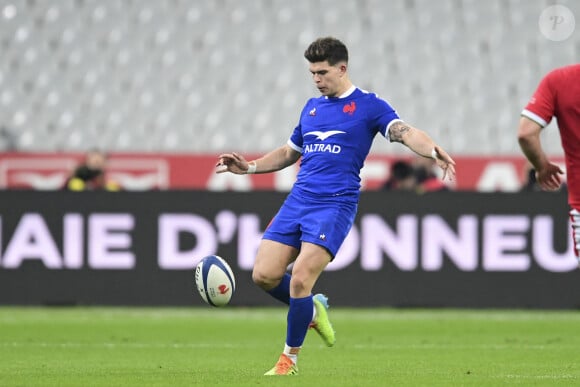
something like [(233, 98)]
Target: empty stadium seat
[(207, 76)]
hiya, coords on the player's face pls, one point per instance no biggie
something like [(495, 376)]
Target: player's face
[(96, 160), (327, 78)]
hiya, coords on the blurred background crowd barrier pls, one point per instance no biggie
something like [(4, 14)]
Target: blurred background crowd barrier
[(162, 171)]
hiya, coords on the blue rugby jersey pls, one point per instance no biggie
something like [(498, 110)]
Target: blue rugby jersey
[(334, 136)]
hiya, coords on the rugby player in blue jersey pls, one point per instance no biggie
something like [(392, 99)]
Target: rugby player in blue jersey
[(333, 138)]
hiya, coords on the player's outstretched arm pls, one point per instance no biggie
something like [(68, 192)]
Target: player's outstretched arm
[(547, 173), (420, 142), (275, 160)]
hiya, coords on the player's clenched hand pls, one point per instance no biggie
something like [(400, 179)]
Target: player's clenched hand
[(549, 177), (446, 163), (232, 162)]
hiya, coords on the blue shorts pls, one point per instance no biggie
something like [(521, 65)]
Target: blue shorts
[(321, 221)]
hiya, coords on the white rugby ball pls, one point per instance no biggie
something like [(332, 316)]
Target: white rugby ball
[(215, 280)]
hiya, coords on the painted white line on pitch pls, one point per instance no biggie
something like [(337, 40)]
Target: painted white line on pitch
[(82, 315), (460, 346), (447, 315), (24, 344), (137, 345), (541, 377), (92, 315)]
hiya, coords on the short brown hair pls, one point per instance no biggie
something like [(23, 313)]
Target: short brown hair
[(326, 49)]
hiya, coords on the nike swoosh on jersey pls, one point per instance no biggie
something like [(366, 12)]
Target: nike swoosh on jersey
[(323, 135)]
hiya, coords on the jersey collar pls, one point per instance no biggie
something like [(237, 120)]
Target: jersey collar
[(346, 93)]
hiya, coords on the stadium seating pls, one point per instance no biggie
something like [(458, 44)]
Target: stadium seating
[(206, 76)]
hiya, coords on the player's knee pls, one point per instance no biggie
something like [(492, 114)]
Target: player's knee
[(263, 280), (300, 284)]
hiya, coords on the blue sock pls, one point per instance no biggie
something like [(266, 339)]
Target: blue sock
[(282, 291), (299, 318)]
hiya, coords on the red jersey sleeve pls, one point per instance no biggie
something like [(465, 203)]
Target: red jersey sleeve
[(541, 106)]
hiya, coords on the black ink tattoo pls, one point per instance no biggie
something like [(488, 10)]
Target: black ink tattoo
[(397, 130)]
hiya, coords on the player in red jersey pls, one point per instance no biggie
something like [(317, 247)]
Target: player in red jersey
[(558, 95)]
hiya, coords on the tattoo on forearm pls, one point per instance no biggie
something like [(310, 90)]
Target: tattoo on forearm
[(397, 130)]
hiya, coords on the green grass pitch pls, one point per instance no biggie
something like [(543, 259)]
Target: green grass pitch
[(235, 346)]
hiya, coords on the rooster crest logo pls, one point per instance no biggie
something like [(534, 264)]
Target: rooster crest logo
[(223, 289), (349, 109)]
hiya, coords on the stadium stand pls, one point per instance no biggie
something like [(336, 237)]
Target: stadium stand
[(205, 76)]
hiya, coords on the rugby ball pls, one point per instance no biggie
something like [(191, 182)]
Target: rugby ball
[(215, 280)]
